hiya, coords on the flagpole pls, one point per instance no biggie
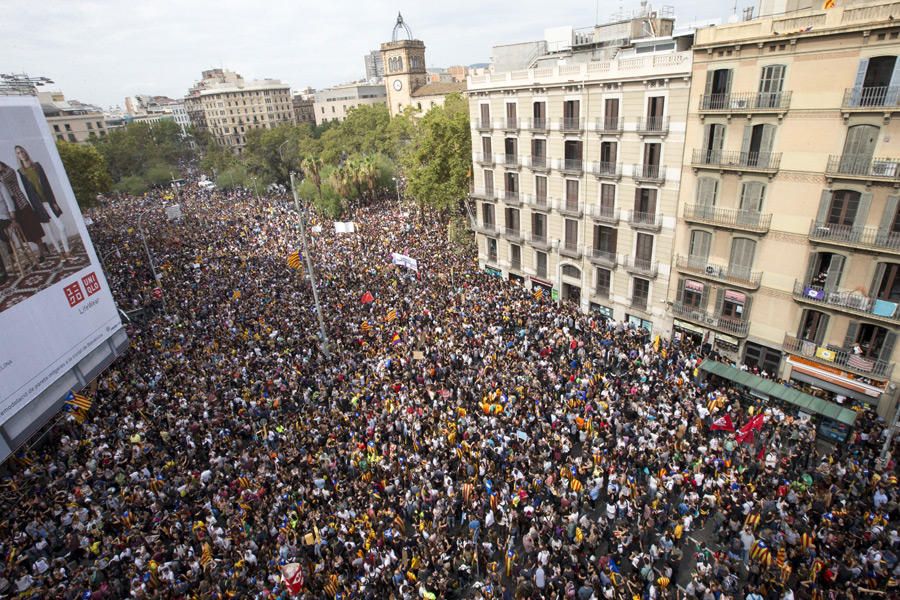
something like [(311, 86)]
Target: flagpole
[(309, 267)]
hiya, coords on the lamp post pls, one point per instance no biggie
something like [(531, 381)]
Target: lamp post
[(397, 188), (255, 187), (309, 268), (556, 245), (149, 256)]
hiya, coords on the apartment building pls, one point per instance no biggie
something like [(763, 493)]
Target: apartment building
[(335, 103), (788, 237), (71, 120), (577, 148), (228, 106)]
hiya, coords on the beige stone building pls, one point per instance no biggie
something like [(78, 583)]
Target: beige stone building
[(228, 106), (788, 251), (70, 120), (335, 103), (577, 144)]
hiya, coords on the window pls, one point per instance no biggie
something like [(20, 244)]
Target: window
[(485, 115), (605, 238), (762, 358), (571, 271), (571, 228), (692, 294), (707, 191), (640, 292), (859, 147), (713, 142), (72, 137), (733, 305), (511, 150), (540, 261), (489, 183), (844, 204), (771, 82), (511, 118), (512, 185), (643, 250), (604, 280), (487, 214), (539, 113), (825, 270), (870, 340), (89, 124), (68, 127), (645, 201), (539, 226), (887, 281), (756, 148), (56, 128), (699, 246), (741, 259), (540, 189), (718, 87), (572, 194), (812, 326), (539, 152), (611, 114), (492, 249), (571, 113), (752, 195), (608, 155), (607, 199)]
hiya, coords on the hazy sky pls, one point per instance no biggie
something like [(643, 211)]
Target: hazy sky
[(100, 51)]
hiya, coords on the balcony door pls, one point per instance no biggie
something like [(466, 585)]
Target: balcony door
[(643, 250), (886, 283), (825, 270), (645, 202), (859, 148), (756, 149), (571, 229), (718, 86), (740, 263), (698, 251), (713, 142), (771, 82), (605, 239), (571, 112), (539, 114), (572, 195), (870, 341), (485, 115), (876, 81), (511, 118), (611, 114)]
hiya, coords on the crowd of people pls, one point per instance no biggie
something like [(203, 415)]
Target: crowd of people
[(460, 438)]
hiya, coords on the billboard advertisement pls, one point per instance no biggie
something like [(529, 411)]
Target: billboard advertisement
[(55, 304)]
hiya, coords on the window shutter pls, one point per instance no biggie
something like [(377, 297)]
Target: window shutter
[(820, 331), (889, 214), (720, 300), (706, 191), (887, 348), (745, 144), (852, 332), (710, 75), (768, 138), (893, 90), (752, 193), (728, 77), (680, 294), (704, 299), (835, 268), (745, 316), (860, 79), (862, 212), (810, 268), (824, 205), (876, 281)]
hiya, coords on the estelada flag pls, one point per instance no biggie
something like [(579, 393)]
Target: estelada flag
[(292, 576), (293, 259), (723, 423), (367, 298)]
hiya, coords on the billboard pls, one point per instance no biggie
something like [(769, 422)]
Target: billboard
[(57, 315)]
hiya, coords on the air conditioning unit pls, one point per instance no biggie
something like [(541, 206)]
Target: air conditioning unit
[(711, 270), (884, 168), (740, 103)]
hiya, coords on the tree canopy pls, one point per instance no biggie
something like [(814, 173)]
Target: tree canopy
[(87, 171)]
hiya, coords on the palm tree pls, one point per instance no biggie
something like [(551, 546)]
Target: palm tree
[(312, 166), (369, 172)]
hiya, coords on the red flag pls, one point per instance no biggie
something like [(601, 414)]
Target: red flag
[(292, 577), (744, 437), (367, 298), (761, 454), (723, 423), (754, 423)]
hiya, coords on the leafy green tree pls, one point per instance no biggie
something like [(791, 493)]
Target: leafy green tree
[(438, 159), (366, 130), (132, 184), (87, 172), (234, 177)]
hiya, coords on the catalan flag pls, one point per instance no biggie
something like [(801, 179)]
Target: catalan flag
[(365, 327), (829, 4), (510, 561), (467, 490), (78, 401), (538, 293), (293, 259), (391, 315), (206, 557), (331, 586)]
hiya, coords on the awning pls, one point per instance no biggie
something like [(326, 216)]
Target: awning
[(772, 389), (829, 378), (689, 327)]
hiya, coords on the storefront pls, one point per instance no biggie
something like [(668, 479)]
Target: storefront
[(836, 382), (603, 311), (493, 271), (685, 331), (833, 421), (546, 286), (517, 279), (638, 321)]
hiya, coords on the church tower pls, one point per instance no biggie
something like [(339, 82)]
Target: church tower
[(404, 67)]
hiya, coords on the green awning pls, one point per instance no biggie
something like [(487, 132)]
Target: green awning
[(772, 389)]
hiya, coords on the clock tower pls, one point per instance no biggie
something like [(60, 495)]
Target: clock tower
[(404, 67)]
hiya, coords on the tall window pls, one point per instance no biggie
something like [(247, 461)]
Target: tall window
[(540, 261), (572, 194), (611, 114), (604, 280), (492, 249), (571, 241), (812, 326), (699, 247), (607, 199), (844, 204), (605, 239), (540, 189), (486, 148), (645, 201), (485, 115), (733, 305), (489, 183), (692, 294), (640, 292)]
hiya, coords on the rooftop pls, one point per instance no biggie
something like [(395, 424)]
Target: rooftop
[(440, 89)]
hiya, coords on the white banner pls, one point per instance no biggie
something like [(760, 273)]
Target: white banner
[(405, 261), (344, 227), (55, 303)]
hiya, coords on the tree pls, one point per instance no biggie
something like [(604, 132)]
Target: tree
[(87, 171), (366, 130), (438, 160), (145, 151)]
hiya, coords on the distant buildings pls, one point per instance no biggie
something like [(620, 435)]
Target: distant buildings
[(228, 106), (406, 80), (374, 66), (304, 103), (334, 103), (70, 120), (153, 109)]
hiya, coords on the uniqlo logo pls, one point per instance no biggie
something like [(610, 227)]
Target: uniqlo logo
[(91, 284), (73, 293)]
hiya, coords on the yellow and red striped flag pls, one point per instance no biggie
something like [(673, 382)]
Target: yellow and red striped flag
[(538, 293), (293, 259), (391, 315)]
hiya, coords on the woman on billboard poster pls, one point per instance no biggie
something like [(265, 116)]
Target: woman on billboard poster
[(43, 201), (24, 215)]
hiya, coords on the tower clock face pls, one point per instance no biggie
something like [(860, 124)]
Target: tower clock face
[(398, 85)]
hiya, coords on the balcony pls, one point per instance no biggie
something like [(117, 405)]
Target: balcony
[(485, 160), (511, 124), (538, 203), (863, 168), (641, 266), (604, 258), (613, 126), (864, 238), (605, 214), (515, 265), (539, 124), (513, 234), (572, 166), (653, 126), (601, 291), (570, 208), (735, 327), (854, 303), (752, 162), (512, 198), (838, 357), (570, 250), (645, 220), (746, 103), (638, 303), (483, 125), (538, 241), (539, 163), (729, 218), (881, 99), (511, 161), (607, 170), (486, 228), (653, 174), (738, 276), (571, 125), (484, 195)]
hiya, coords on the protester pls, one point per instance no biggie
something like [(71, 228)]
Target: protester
[(481, 444)]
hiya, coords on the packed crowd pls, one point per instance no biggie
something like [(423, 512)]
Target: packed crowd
[(483, 443)]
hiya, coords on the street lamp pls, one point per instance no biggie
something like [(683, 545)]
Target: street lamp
[(556, 246), (397, 187), (255, 188), (147, 250)]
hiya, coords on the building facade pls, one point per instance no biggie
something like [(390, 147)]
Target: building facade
[(228, 106), (305, 107), (577, 162), (70, 120), (335, 103), (788, 251), (374, 66)]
